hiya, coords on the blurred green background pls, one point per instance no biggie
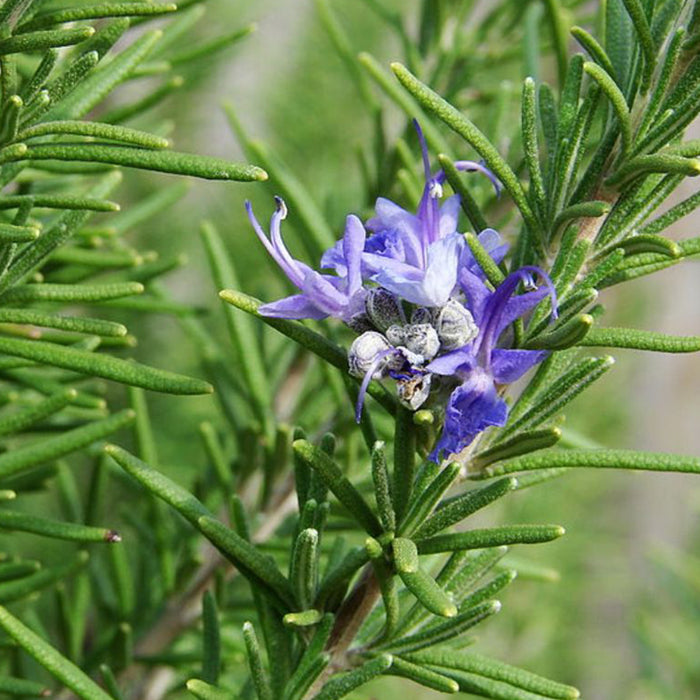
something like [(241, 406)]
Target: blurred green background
[(618, 623)]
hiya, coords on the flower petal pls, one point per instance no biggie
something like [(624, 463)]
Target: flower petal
[(509, 365), (448, 365), (294, 307), (353, 245), (472, 407)]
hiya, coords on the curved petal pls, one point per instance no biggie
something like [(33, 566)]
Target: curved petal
[(472, 407), (509, 365), (295, 307), (448, 365), (353, 245)]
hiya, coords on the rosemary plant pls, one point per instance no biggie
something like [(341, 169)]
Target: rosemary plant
[(414, 379)]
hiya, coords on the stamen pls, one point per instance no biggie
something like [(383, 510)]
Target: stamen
[(435, 189), (424, 149), (471, 166), (281, 207)]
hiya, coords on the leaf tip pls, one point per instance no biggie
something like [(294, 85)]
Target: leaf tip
[(259, 174), (112, 536)]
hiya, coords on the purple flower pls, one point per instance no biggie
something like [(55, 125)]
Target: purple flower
[(321, 295), (415, 256), (475, 404)]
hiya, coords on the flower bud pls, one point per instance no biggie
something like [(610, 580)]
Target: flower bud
[(455, 325), (422, 314), (364, 351), (420, 339), (383, 308)]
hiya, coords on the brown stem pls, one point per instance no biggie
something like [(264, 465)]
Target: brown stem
[(352, 613)]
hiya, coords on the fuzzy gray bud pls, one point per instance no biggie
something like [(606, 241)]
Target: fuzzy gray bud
[(364, 351), (455, 325), (422, 314), (421, 339), (383, 308)]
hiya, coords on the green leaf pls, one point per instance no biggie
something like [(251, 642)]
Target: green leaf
[(483, 258), (341, 685), (423, 586), (207, 48), (161, 161), (565, 335), (531, 146), (19, 686), (496, 670), (105, 366), (261, 682), (315, 342), (211, 639), (49, 201), (640, 340), (463, 506), (304, 566), (382, 488), (318, 234), (96, 130), (465, 128), (30, 585), (26, 522), (251, 563), (312, 662), (522, 443), (18, 569), (410, 107), (18, 421), (259, 569), (654, 163), (306, 618), (109, 9), (54, 447), (557, 22), (58, 666), (404, 461), (423, 676), (619, 41), (594, 49), (423, 504), (647, 243), (490, 537), (76, 324), (62, 228), (39, 41), (241, 331), (559, 393), (110, 682), (600, 459), (72, 293), (205, 691), (445, 631), (646, 41), (92, 89), (158, 484), (18, 234), (339, 576), (337, 482), (582, 210)]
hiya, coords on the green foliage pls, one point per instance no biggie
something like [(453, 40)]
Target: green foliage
[(336, 556)]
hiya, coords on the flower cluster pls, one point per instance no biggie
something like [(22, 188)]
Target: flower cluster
[(425, 313)]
